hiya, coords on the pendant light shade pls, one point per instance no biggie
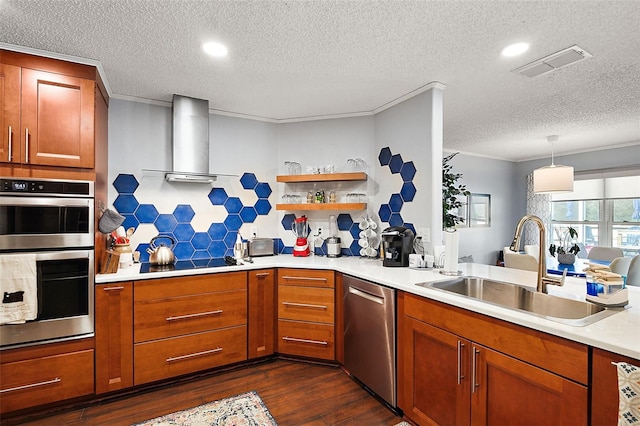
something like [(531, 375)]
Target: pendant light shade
[(553, 178)]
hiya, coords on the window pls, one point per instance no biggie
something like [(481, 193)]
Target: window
[(604, 209)]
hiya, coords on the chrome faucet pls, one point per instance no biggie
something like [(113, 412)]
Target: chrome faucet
[(543, 278)]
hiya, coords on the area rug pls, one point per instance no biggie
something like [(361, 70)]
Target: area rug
[(246, 409)]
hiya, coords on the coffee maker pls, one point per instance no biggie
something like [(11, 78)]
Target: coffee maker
[(397, 245)]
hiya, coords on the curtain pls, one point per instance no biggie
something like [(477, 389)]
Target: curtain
[(539, 205)]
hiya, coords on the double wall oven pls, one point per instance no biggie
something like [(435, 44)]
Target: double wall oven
[(53, 220)]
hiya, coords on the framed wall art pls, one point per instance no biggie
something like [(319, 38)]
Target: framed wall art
[(479, 210)]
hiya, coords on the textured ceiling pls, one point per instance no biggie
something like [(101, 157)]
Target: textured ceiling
[(296, 59)]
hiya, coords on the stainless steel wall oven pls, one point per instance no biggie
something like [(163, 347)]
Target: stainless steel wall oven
[(52, 220)]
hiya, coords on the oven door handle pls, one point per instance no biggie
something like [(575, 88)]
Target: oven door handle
[(63, 255), (39, 200)]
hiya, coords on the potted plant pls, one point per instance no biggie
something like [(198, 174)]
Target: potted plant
[(451, 190), (567, 248)]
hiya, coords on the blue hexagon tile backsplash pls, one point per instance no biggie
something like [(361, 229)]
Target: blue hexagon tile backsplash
[(216, 242), (390, 212), (219, 239)]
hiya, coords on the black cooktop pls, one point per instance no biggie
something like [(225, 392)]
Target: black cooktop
[(184, 265)]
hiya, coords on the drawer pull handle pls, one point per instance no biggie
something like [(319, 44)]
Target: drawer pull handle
[(315, 342), (113, 288), (193, 355), (286, 277), (33, 385), (199, 314), (304, 305), (262, 275)]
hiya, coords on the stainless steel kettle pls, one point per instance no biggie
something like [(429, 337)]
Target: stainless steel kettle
[(161, 255)]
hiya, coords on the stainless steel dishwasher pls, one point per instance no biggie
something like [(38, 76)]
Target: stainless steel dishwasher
[(370, 336)]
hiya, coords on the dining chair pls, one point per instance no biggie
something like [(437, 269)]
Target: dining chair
[(633, 274), (532, 249), (519, 261), (604, 253), (620, 265)]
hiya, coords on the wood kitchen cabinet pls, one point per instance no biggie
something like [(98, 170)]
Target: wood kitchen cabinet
[(10, 148), (49, 112), (187, 324), (306, 313), (604, 386), (458, 368), (114, 336), (44, 374), (262, 315)]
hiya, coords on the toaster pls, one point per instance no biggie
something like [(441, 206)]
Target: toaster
[(261, 247)]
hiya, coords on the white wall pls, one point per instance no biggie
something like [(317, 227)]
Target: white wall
[(495, 177), (140, 138), (413, 129), (318, 144)]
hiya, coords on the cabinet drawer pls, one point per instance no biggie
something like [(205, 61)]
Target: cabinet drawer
[(306, 277), (306, 339), (186, 286), (306, 303), (160, 359), (48, 379), (160, 318)]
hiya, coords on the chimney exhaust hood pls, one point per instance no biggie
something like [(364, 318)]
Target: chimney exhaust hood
[(190, 142)]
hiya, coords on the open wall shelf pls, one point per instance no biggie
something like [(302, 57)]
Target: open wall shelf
[(323, 177)]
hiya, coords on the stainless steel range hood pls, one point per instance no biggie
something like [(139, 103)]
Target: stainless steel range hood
[(190, 143), (190, 146)]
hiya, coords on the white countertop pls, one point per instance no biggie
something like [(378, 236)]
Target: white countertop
[(619, 333)]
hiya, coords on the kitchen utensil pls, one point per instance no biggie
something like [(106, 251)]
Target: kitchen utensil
[(110, 221), (301, 231), (161, 255)]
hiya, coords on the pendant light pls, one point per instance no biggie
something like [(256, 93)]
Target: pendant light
[(553, 178)]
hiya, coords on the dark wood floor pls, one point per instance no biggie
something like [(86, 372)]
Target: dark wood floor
[(295, 392)]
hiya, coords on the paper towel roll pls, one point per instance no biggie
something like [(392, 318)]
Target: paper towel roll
[(451, 251)]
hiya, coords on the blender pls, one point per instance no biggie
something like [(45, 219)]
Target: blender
[(301, 231)]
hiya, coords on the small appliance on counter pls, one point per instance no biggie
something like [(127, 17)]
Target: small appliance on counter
[(397, 245), (261, 247), (334, 244), (301, 231), (334, 247)]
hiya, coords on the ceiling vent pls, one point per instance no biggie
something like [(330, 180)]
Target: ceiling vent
[(553, 62)]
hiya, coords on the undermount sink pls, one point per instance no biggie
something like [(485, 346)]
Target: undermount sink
[(513, 296)]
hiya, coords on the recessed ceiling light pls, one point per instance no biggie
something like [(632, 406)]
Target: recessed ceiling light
[(515, 49), (215, 49)]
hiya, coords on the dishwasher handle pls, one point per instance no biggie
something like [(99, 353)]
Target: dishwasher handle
[(366, 295)]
